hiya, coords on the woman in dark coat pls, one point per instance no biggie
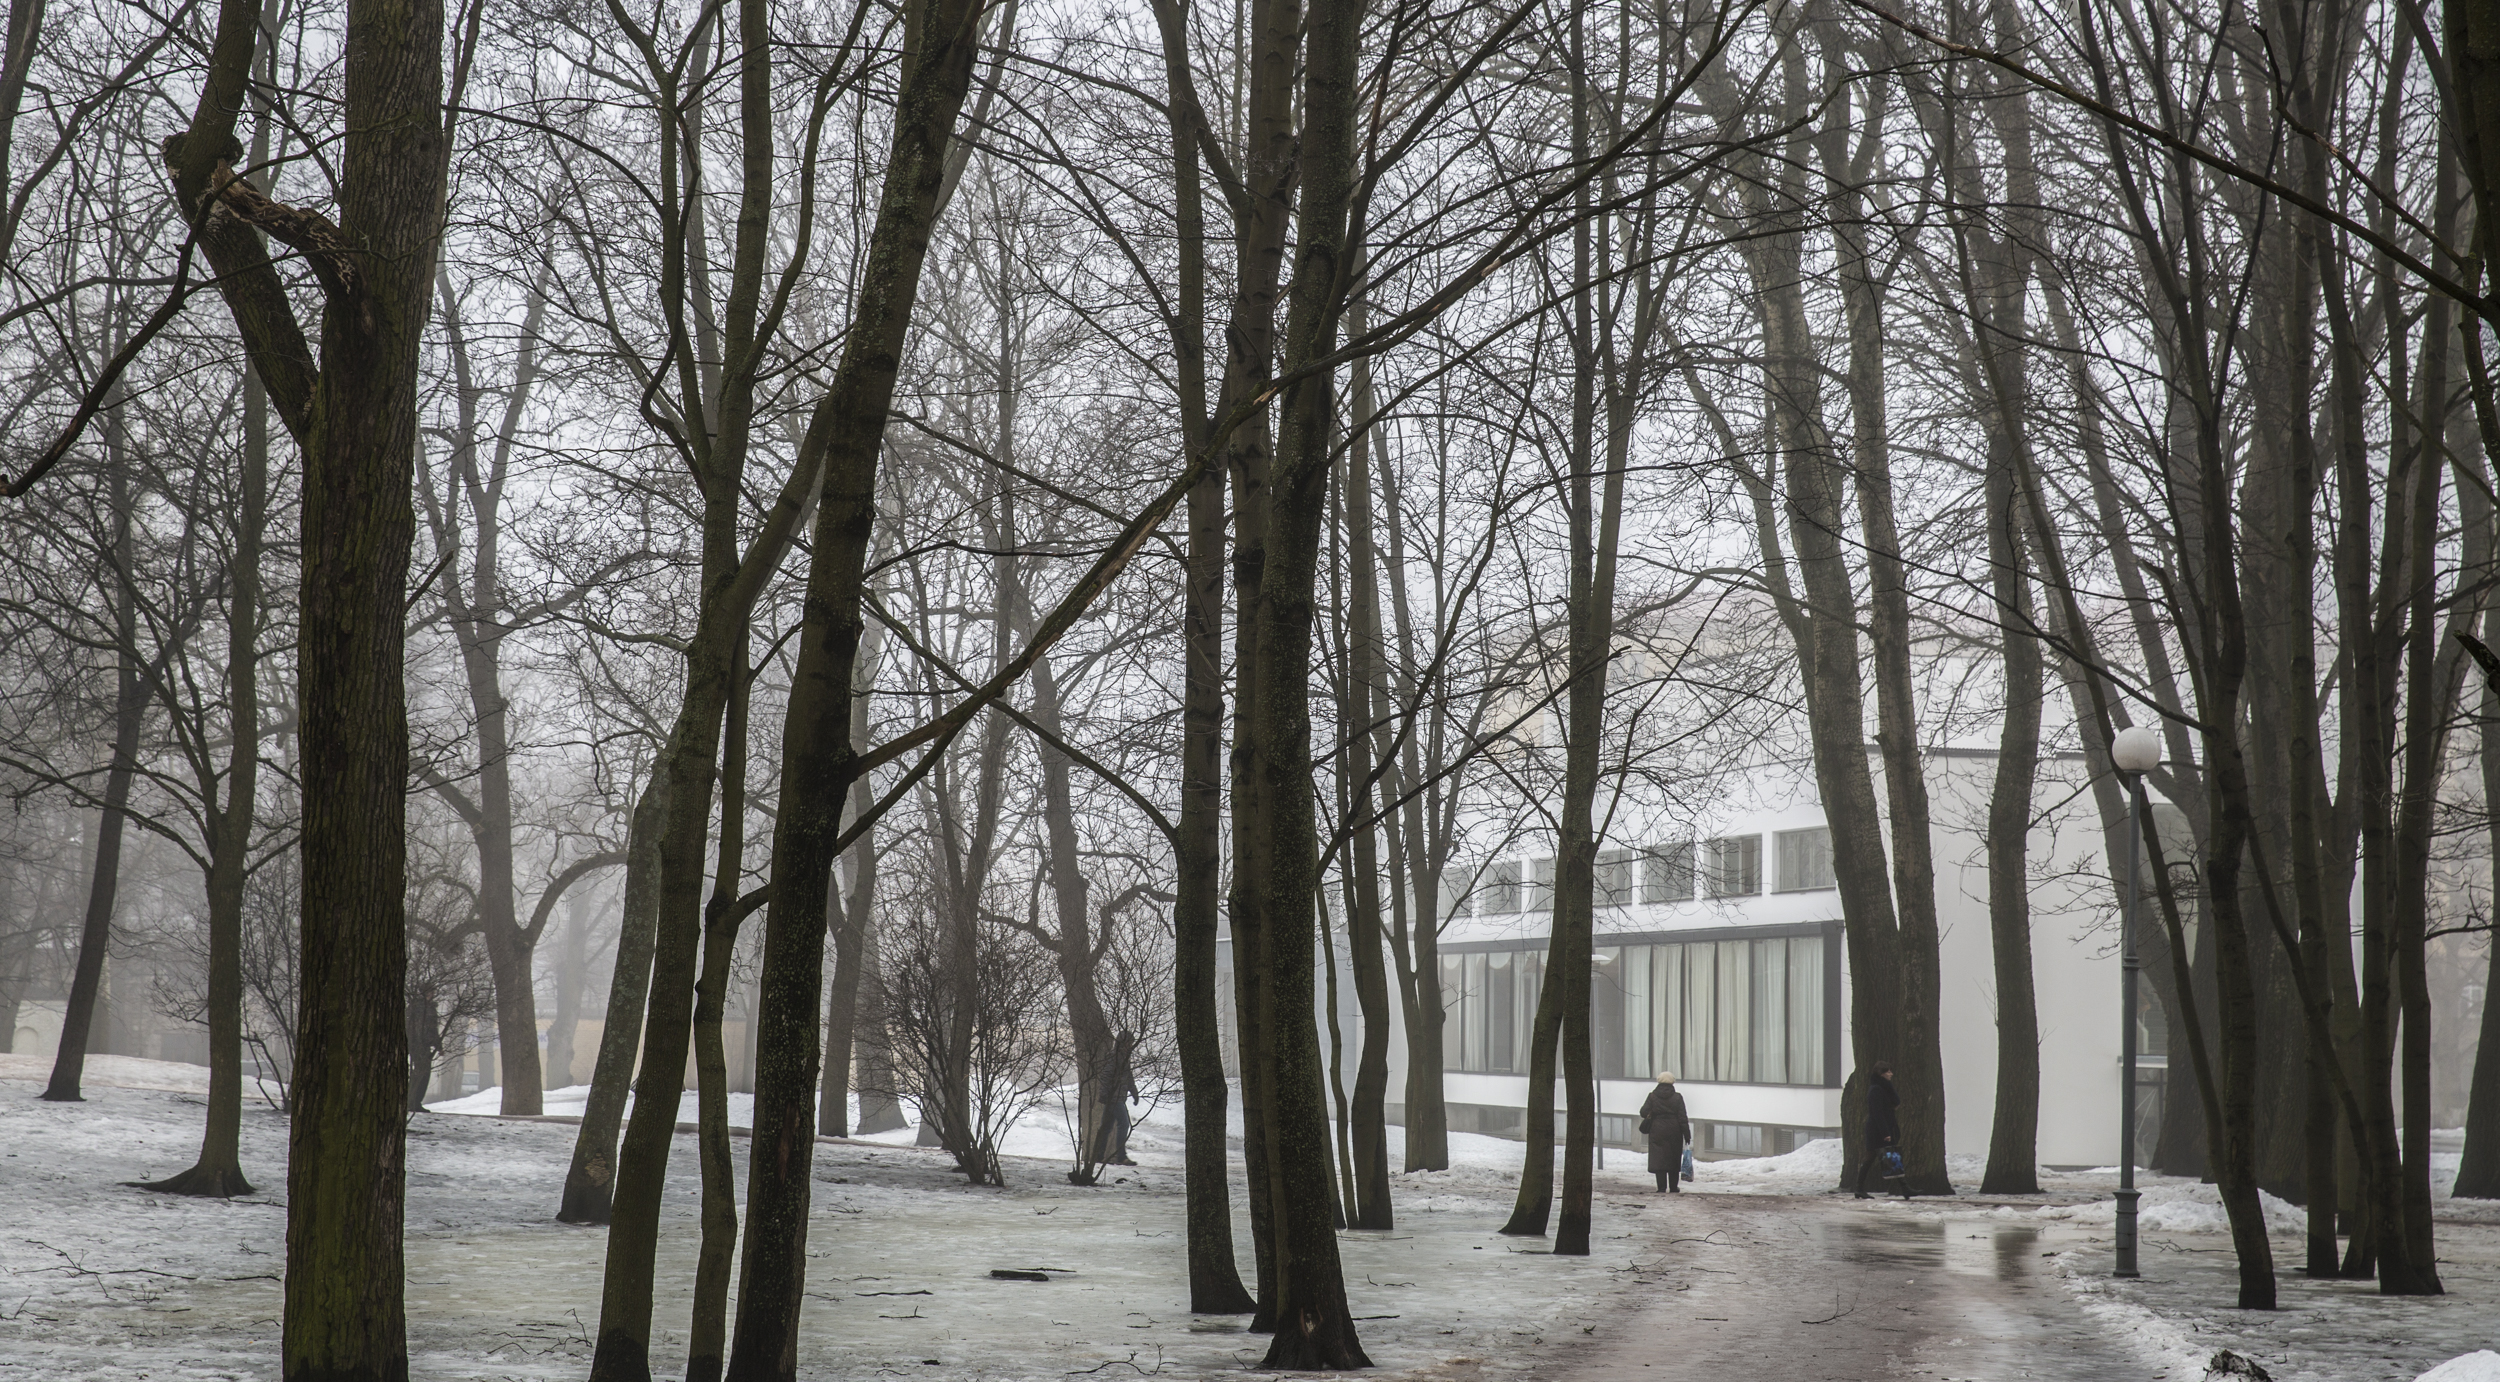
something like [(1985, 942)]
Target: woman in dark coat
[(1662, 1117), (1883, 1125)]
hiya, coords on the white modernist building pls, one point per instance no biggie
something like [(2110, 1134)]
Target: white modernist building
[(1719, 955)]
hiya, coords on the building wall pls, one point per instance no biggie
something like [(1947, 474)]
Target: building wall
[(2074, 958)]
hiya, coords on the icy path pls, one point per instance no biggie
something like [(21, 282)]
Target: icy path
[(1825, 1289)]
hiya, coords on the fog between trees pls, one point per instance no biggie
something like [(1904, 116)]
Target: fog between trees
[(917, 538)]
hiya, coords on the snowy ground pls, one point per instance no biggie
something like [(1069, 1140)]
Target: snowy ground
[(101, 1280)]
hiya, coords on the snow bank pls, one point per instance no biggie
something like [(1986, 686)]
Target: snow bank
[(2185, 1207), (1811, 1169), (113, 1072), (2482, 1366)]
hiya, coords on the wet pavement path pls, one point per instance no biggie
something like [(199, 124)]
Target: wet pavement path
[(1828, 1289)]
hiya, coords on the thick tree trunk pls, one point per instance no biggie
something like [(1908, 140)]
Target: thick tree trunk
[(622, 1348), (1314, 1327), (1918, 999), (846, 432), (344, 1316), (1590, 637), (1532, 1208), (1270, 168), (1835, 695), (2013, 1139)]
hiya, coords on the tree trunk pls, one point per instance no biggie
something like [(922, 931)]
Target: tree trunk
[(572, 960), (1533, 1206), (1074, 950), (219, 1170), (2013, 1139), (1996, 282), (1271, 174), (590, 1180), (95, 937), (1594, 533), (846, 432), (852, 921), (1214, 1278), (344, 1313), (1374, 709), (708, 1330), (622, 1352), (1828, 632), (1918, 1000), (1314, 1327)]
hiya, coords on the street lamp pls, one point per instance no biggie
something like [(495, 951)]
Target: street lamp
[(2136, 751)]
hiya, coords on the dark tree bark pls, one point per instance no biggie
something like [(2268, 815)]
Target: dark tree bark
[(590, 1181), (731, 581), (851, 920), (1314, 1327), (1996, 283), (355, 418), (846, 432), (1845, 164), (1532, 1208), (707, 1333), (2013, 1138), (2472, 32), (1824, 622), (95, 935), (1371, 702), (1214, 1278), (219, 1170), (1270, 181)]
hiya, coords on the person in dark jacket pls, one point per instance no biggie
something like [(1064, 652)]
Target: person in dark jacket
[(1883, 1125), (1663, 1118)]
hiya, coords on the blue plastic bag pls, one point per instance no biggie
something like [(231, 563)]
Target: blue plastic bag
[(1893, 1169), (1688, 1163)]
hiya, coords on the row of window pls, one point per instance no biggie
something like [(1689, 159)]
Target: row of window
[(1727, 867), (1750, 1011)]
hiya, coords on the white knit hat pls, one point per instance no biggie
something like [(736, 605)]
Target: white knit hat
[(1666, 1077)]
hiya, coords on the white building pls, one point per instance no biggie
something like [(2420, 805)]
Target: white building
[(1719, 955)]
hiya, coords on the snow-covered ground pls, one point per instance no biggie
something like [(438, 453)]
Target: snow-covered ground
[(98, 1279)]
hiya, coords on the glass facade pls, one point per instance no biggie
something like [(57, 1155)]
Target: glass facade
[(1749, 1010)]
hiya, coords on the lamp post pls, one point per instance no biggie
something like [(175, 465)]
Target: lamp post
[(2135, 751)]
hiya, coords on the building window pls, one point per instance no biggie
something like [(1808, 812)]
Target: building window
[(1733, 1011), (1802, 860), (1735, 866), (1667, 873), (1614, 878), (1501, 896), (1540, 886)]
